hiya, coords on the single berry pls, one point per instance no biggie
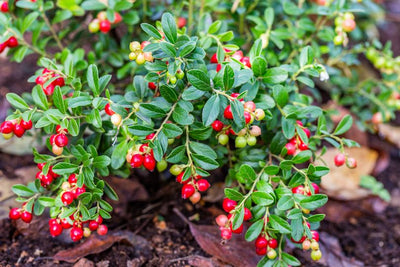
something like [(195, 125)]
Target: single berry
[(26, 216), (27, 125), (219, 67), (67, 198), (298, 190), (195, 198), (291, 149), (179, 178), (221, 220), (261, 242), (76, 234), (94, 26), (53, 221), (238, 55), (251, 140), (223, 139), (249, 106), (162, 165), (181, 22), (152, 86), (351, 163), (12, 42), (307, 132), (65, 224), (59, 82), (228, 113), (247, 117), (187, 191), (102, 229), (150, 136), (55, 229), (246, 61), (271, 254), (303, 146), (273, 243), (226, 233), (228, 204), (61, 140), (72, 179), (259, 114), (203, 185), (93, 225), (108, 110), (315, 235), (316, 188), (149, 162), (4, 7), (316, 255), (306, 244), (14, 214), (105, 26), (140, 60), (19, 130), (79, 191), (86, 232), (137, 161), (239, 230), (340, 159), (214, 59), (57, 150), (175, 170), (240, 142), (99, 220), (314, 245), (247, 214), (261, 251), (348, 25), (7, 127), (116, 119), (217, 125)]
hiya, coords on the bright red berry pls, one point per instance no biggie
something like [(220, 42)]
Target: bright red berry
[(4, 7), (238, 230), (7, 127), (181, 22), (49, 90), (179, 178), (27, 125), (298, 190), (291, 149), (149, 162), (67, 198), (221, 220), (214, 59), (14, 214), (350, 163), (298, 242), (250, 106), (61, 140), (152, 86), (99, 220), (273, 243), (226, 233), (60, 130), (187, 191), (93, 225), (79, 191), (217, 125), (315, 235), (76, 234), (72, 179), (150, 136), (26, 217), (46, 180), (307, 132), (203, 185), (105, 26), (228, 204), (136, 161), (65, 224), (261, 242), (12, 42), (55, 229), (219, 67), (102, 230), (261, 251), (247, 117), (228, 112), (247, 214), (246, 61), (316, 188), (303, 146), (108, 110), (59, 82), (52, 221), (19, 130), (339, 159)]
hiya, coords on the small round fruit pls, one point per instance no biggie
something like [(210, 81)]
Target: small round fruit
[(99, 220), (55, 229), (214, 59), (219, 67), (348, 25), (12, 42), (180, 74), (251, 140), (249, 106), (228, 204), (19, 130), (239, 230), (255, 131), (152, 86), (116, 119), (149, 162), (108, 110), (261, 251), (217, 125), (261, 242), (298, 190), (93, 225), (221, 220), (172, 79), (195, 198), (175, 170), (228, 113), (340, 159), (273, 243), (105, 26), (247, 117), (132, 56), (26, 216), (259, 114), (303, 146), (137, 161), (14, 214), (351, 163), (86, 232), (4, 7), (338, 39), (148, 56), (240, 142), (223, 139), (315, 235), (203, 185), (246, 61), (314, 245), (316, 188), (247, 214), (271, 254), (306, 244), (72, 179), (94, 26), (140, 60), (291, 149), (181, 22), (226, 233), (27, 125), (57, 150), (102, 230), (316, 255), (7, 127), (162, 165), (76, 234), (134, 46), (187, 191), (61, 140), (67, 198)]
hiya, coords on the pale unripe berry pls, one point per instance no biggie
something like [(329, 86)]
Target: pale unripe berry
[(195, 198), (242, 132), (255, 130), (65, 186), (260, 114), (316, 255), (314, 245), (116, 119), (271, 254), (306, 244), (57, 150), (221, 220)]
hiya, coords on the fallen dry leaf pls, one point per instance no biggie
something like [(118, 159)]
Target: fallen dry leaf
[(344, 183), (390, 133), (237, 251), (96, 244)]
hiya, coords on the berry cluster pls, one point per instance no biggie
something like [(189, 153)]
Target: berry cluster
[(382, 61), (45, 179), (302, 190), (141, 155), (344, 24), (238, 55), (79, 229), (15, 127), (102, 23), (20, 213), (11, 43), (296, 144), (341, 158), (56, 80), (192, 185), (310, 243), (59, 141), (225, 222), (116, 119), (246, 136), (71, 191), (137, 53)]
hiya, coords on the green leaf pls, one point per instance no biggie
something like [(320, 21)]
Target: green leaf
[(290, 260), (233, 194), (254, 230), (39, 97), (171, 130), (280, 94), (79, 101), (288, 127), (205, 163), (344, 125), (58, 100), (187, 48), (182, 116), (151, 30), (302, 157), (306, 56), (275, 75), (314, 201), (22, 190), (93, 79), (93, 5), (238, 218), (228, 77), (286, 202), (214, 27), (168, 93), (17, 101), (73, 127), (246, 174), (168, 49), (259, 66), (168, 25), (238, 113), (203, 149), (110, 192), (65, 168), (316, 218), (118, 155), (211, 110), (262, 198), (101, 161), (177, 155), (199, 80), (279, 224), (291, 9), (46, 201)]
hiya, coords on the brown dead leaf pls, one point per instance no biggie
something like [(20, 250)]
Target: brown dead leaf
[(96, 244), (390, 133), (237, 251), (215, 193), (344, 183)]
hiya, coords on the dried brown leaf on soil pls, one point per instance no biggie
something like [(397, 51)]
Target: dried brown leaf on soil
[(96, 244), (344, 183)]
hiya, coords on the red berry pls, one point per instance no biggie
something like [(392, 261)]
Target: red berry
[(52, 221), (72, 179), (108, 110), (246, 61), (136, 161), (228, 204), (12, 42), (7, 127), (2, 47), (27, 125), (93, 225), (150, 136), (350, 163), (226, 233), (41, 165), (316, 188), (76, 234), (250, 106), (14, 214), (298, 242), (247, 117), (46, 180), (19, 130), (261, 251), (143, 148), (99, 220), (102, 230), (65, 224), (149, 162), (340, 159), (144, 44), (105, 26), (219, 67), (203, 185), (307, 132), (315, 235), (179, 178), (61, 140), (247, 214), (187, 191), (299, 123), (181, 22), (303, 146), (152, 86), (4, 7), (55, 229), (67, 198), (272, 243), (59, 82), (298, 190), (217, 125), (214, 59), (228, 112), (79, 191), (238, 55), (239, 230), (261, 242), (291, 149), (61, 130), (26, 217), (49, 89)]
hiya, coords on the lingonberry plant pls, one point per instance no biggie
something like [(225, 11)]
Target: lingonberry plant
[(172, 92)]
